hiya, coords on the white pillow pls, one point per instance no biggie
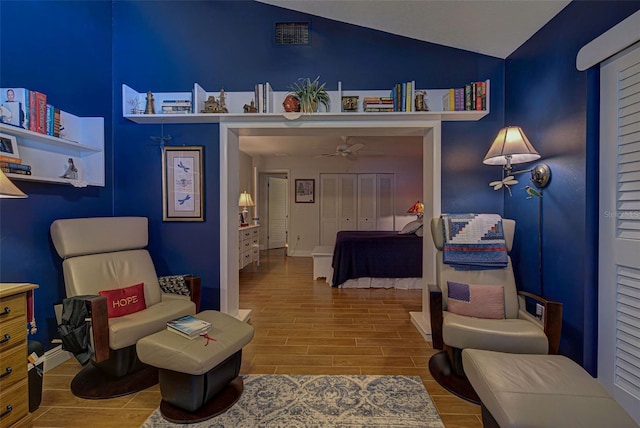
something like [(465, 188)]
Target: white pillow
[(411, 227), (420, 231)]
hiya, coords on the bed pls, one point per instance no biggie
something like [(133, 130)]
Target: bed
[(365, 259)]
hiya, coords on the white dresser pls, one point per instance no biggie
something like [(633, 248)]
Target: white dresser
[(249, 245)]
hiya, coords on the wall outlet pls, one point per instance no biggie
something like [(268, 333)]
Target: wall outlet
[(539, 311)]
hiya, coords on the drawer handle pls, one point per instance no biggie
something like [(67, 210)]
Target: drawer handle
[(7, 311), (6, 373), (6, 412), (7, 337)]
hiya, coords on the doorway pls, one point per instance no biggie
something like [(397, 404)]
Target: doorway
[(230, 132)]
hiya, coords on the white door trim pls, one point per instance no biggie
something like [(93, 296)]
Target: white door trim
[(229, 188)]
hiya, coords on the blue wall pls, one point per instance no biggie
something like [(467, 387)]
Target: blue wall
[(556, 105), (229, 44), (66, 55)]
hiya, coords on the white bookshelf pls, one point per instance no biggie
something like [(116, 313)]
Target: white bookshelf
[(83, 141), (236, 100)]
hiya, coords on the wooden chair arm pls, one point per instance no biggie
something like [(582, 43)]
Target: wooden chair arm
[(435, 312), (97, 308), (552, 321), (194, 284)]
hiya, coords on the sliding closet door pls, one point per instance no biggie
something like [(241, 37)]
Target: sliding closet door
[(619, 247)]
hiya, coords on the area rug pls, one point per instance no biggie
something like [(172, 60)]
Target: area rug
[(302, 401)]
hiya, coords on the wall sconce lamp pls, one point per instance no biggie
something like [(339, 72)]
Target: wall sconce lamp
[(511, 146), (417, 208), (8, 189), (245, 201)]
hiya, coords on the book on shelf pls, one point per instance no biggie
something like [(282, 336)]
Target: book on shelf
[(8, 169), (15, 165), (11, 113), (10, 159), (188, 326), (38, 112)]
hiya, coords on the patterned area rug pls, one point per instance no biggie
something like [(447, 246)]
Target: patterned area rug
[(278, 401)]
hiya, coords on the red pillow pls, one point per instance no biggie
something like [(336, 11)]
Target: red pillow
[(124, 301)]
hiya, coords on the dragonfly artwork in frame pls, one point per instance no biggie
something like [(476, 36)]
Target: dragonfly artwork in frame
[(182, 183)]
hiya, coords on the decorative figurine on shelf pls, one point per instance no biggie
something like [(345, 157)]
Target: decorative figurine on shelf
[(421, 101), (291, 103), (250, 108), (71, 172), (213, 105), (150, 108), (222, 102)]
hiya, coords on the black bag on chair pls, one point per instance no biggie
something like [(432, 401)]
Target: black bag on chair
[(74, 328)]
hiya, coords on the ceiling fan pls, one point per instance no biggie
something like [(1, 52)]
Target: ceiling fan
[(345, 150)]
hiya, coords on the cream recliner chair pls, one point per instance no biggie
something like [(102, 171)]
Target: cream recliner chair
[(106, 253), (518, 332)]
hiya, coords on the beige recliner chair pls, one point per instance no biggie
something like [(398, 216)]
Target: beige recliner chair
[(107, 253), (518, 332)]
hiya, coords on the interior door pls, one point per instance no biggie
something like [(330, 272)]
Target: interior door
[(619, 230), (277, 197), (366, 201)]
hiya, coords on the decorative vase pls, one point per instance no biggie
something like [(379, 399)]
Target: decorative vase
[(309, 108), (291, 103)]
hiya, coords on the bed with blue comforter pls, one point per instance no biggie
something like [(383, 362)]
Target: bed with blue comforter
[(376, 254)]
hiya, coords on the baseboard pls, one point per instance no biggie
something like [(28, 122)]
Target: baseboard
[(54, 357)]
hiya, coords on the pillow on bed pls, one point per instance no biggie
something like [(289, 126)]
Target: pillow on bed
[(411, 227), (124, 301), (472, 300)]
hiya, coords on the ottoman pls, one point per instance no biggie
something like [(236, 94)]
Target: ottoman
[(525, 390), (192, 372)]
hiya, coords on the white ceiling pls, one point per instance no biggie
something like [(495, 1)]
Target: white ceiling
[(490, 27)]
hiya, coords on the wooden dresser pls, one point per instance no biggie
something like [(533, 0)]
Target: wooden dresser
[(14, 388), (249, 245)]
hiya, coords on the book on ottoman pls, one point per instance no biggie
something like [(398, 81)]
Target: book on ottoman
[(188, 326)]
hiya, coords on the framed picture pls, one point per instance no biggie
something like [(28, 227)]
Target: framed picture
[(305, 191), (182, 183), (8, 146)]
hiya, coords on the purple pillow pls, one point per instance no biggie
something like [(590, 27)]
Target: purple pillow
[(473, 300)]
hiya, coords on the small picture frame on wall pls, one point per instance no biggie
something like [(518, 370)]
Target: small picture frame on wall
[(183, 183), (8, 146), (305, 191)]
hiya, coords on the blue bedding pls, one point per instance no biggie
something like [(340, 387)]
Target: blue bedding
[(376, 254)]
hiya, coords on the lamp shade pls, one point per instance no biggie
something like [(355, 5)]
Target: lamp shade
[(245, 200), (510, 146), (417, 208), (8, 189)]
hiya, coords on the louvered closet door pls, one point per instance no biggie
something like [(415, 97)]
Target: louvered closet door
[(619, 252)]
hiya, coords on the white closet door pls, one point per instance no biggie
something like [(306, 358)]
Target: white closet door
[(385, 218), (619, 240), (329, 208), (366, 201), (348, 205), (277, 236)]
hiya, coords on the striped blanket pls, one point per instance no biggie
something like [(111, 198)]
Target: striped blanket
[(474, 241)]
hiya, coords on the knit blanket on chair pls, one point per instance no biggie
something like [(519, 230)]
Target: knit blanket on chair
[(474, 241)]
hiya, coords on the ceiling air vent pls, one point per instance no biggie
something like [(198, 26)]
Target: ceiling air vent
[(292, 33)]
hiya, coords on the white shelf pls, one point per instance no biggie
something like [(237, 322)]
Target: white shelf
[(48, 155), (236, 100)]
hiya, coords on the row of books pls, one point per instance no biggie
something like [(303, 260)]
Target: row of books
[(403, 95), (263, 97), (14, 165), (176, 107), (472, 97), (188, 326), (29, 110)]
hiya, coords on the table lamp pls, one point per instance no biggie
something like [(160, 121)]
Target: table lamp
[(245, 201)]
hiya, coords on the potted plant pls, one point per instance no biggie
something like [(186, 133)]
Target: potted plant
[(309, 93)]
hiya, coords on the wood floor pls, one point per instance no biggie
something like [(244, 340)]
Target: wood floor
[(301, 327)]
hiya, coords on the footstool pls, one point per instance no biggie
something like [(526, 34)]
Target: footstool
[(192, 372), (525, 390)]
